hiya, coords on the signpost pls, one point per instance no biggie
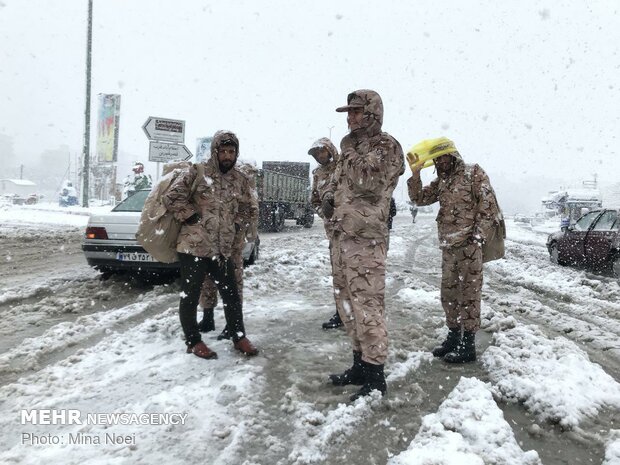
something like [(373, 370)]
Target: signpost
[(165, 152), (166, 140), (163, 129)]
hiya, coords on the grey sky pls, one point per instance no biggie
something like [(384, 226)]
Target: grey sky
[(527, 89)]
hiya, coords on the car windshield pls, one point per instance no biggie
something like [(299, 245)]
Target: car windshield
[(586, 220), (133, 203), (606, 221)]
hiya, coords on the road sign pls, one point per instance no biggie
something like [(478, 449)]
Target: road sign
[(164, 152), (164, 129)]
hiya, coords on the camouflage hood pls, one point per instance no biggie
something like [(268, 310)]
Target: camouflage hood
[(218, 139), (372, 104), (459, 164), (324, 142)]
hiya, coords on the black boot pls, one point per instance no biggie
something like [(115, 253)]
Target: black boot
[(224, 334), (353, 375), (374, 378), (466, 350), (206, 324), (450, 344), (334, 322)]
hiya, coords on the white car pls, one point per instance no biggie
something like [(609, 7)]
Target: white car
[(110, 242)]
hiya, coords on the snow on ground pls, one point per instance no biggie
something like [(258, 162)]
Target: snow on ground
[(468, 429), (50, 285), (553, 378), (581, 305), (317, 432), (137, 372), (278, 404), (65, 334), (612, 452), (48, 214)]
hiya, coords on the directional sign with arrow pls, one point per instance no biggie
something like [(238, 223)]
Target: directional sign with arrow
[(164, 129), (164, 152)]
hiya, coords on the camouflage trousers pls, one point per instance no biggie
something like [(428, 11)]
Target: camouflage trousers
[(208, 292), (461, 286), (359, 289)]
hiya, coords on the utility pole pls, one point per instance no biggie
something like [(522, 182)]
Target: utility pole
[(86, 148), (330, 131)]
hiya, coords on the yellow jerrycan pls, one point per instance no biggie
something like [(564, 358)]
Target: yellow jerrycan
[(423, 153)]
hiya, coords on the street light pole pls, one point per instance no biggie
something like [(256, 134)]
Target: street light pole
[(86, 148), (330, 131)]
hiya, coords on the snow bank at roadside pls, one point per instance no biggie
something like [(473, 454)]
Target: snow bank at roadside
[(553, 378), (468, 429), (144, 370), (47, 214), (612, 451)]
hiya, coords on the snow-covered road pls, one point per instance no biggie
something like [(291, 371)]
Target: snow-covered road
[(544, 391)]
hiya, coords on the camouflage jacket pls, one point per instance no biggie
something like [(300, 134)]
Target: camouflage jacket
[(466, 203), (371, 161), (249, 227), (321, 177), (224, 201)]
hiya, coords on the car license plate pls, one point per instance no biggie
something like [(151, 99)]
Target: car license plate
[(134, 257)]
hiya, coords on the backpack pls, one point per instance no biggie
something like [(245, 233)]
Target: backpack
[(493, 246), (159, 229)]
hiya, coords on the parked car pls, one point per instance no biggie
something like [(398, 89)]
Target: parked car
[(110, 242), (593, 242)]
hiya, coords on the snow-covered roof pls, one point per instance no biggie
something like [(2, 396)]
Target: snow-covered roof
[(19, 182), (574, 194)]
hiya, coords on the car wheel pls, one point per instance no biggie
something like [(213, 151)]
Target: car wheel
[(309, 221), (615, 266), (554, 255), (253, 257)]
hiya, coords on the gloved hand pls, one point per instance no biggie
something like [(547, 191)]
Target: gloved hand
[(195, 218), (477, 239), (328, 205), (414, 162)]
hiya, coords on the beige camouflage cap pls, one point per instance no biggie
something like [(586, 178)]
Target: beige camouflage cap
[(353, 101)]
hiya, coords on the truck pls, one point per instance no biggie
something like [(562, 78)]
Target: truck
[(284, 189)]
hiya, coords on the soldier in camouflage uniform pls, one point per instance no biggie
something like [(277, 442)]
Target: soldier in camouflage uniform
[(247, 233), (465, 199), (358, 203), (326, 155), (212, 216)]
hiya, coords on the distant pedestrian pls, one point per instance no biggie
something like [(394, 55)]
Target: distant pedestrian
[(136, 181), (413, 208), (358, 203)]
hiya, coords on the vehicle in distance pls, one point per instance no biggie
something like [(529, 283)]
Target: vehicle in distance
[(593, 242), (283, 189), (110, 244)]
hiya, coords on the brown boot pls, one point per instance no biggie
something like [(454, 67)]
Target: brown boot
[(201, 350), (244, 345)]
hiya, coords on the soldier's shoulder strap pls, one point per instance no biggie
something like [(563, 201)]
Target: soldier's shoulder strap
[(200, 173), (471, 174)]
